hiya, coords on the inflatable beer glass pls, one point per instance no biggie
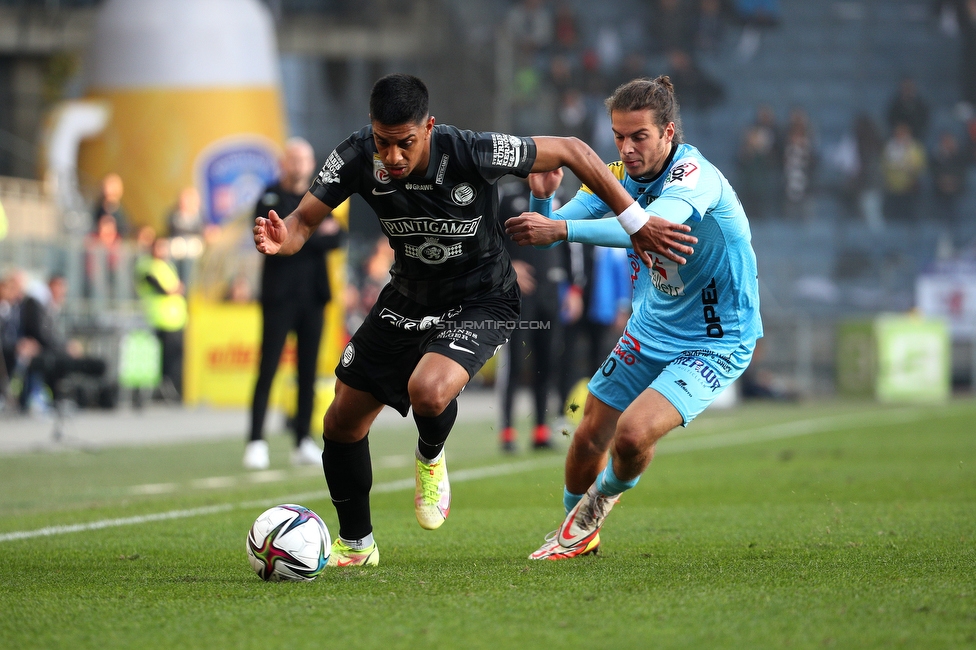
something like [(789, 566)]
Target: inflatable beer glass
[(193, 92)]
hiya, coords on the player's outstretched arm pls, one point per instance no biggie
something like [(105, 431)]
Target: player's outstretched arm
[(276, 236), (656, 235)]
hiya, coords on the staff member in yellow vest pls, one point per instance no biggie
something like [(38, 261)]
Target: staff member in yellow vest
[(161, 291)]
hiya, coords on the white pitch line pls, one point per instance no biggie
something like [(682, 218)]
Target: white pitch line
[(679, 445)]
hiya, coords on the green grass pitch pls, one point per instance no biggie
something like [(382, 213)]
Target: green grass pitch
[(849, 525)]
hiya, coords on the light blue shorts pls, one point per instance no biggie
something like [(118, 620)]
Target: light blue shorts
[(689, 379)]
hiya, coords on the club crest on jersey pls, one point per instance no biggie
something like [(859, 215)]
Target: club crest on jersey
[(432, 251), (463, 194), (684, 174), (348, 354), (379, 171)]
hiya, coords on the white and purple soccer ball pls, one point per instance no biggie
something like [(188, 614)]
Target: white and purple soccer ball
[(288, 543)]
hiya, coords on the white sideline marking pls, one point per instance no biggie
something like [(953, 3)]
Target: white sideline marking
[(678, 445)]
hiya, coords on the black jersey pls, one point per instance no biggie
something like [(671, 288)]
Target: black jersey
[(443, 226)]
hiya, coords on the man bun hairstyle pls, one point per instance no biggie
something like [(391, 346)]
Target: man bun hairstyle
[(656, 95), (398, 99)]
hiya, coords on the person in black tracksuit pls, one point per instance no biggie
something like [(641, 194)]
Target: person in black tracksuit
[(294, 293)]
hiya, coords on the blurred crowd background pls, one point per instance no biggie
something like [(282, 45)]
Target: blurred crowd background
[(848, 129)]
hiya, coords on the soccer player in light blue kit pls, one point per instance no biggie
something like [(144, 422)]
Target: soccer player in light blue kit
[(694, 324)]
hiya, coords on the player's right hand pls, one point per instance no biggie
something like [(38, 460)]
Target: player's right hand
[(664, 238), (270, 233), (531, 228)]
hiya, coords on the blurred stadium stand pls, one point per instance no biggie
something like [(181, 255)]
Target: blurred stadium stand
[(832, 58)]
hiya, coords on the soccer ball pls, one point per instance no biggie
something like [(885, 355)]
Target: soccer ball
[(288, 543)]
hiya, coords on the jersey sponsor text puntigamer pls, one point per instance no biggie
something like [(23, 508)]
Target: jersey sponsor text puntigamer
[(443, 225)]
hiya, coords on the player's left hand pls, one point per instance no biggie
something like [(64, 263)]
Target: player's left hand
[(664, 238), (531, 228)]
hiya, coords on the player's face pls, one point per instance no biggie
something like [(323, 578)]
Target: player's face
[(403, 148), (643, 145)]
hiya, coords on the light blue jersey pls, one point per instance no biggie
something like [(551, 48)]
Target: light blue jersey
[(699, 319)]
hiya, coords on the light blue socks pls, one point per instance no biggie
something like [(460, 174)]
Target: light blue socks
[(607, 483)]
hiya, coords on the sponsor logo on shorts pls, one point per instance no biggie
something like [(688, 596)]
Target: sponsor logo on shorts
[(348, 354), (463, 194), (627, 348), (705, 373), (413, 324), (455, 346), (683, 385)]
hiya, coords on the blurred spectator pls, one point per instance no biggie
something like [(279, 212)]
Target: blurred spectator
[(103, 250), (3, 222), (858, 159), (772, 136), (671, 26), (186, 231), (573, 118), (903, 163), (755, 15), (694, 88), (530, 25), (110, 202), (11, 298), (609, 50), (908, 107), (799, 167), (710, 26), (566, 29), (870, 178), (159, 287), (539, 273), (561, 73), (240, 290), (949, 170), (57, 355), (758, 165)]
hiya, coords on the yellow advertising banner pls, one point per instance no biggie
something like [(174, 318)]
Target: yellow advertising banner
[(223, 349)]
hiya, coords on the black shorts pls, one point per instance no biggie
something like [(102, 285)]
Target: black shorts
[(397, 332)]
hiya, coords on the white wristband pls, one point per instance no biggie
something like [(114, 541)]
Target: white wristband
[(633, 218)]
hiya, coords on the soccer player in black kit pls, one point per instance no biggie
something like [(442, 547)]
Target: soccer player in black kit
[(452, 299)]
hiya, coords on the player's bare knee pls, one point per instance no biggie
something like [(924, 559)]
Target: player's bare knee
[(634, 438), (428, 399)]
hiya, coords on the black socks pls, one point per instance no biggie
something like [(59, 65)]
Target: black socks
[(349, 474), (433, 431)]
